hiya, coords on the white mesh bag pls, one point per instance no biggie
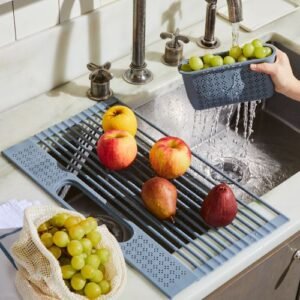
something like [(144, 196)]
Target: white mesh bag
[(39, 275)]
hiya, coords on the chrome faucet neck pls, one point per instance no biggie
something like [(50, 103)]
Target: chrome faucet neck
[(138, 73)]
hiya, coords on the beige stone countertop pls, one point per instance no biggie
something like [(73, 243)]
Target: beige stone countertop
[(45, 110)]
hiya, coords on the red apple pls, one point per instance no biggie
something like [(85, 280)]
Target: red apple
[(116, 149), (170, 157), (160, 196)]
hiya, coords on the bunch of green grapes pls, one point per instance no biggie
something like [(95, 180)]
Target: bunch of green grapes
[(252, 50), (74, 243)]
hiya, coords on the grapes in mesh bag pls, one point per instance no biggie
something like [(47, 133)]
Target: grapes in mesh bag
[(60, 254)]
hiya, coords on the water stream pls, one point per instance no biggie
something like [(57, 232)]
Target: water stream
[(241, 154), (226, 148), (214, 127), (235, 34)]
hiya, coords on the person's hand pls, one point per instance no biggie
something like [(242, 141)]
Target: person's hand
[(282, 75)]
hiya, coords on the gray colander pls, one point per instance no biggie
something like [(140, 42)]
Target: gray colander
[(227, 84)]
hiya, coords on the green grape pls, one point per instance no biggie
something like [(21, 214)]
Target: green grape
[(92, 290), (77, 262), (59, 220), (216, 61), (67, 271), (186, 68), (71, 221), (43, 227), (98, 276), (84, 255), (88, 272), (78, 282), (74, 248), (248, 50), (87, 245), (260, 52), (93, 222), (207, 58), (103, 254), (105, 286), (86, 225), (242, 58), (235, 52), (93, 260), (268, 51), (206, 66), (76, 232), (46, 239), (60, 239), (196, 63), (55, 251), (228, 60), (257, 43), (95, 237)]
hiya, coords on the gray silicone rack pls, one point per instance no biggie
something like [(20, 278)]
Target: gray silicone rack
[(62, 159)]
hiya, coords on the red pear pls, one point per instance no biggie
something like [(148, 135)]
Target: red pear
[(219, 208), (160, 196)]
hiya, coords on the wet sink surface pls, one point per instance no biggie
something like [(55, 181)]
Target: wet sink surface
[(271, 154), (270, 157)]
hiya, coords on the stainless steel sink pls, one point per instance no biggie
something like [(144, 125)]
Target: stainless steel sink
[(269, 157)]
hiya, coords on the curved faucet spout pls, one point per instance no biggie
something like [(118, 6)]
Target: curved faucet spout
[(235, 12), (235, 15)]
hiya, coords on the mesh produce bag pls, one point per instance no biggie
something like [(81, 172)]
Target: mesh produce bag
[(39, 274)]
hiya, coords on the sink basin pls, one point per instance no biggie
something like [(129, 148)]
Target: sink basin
[(267, 158)]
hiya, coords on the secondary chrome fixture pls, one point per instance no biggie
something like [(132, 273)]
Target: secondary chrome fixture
[(235, 15), (138, 73), (174, 48), (100, 78), (297, 255)]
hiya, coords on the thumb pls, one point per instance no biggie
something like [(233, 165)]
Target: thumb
[(263, 68)]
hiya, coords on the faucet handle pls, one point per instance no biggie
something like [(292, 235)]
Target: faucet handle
[(175, 37), (92, 66), (100, 78), (174, 48), (100, 73)]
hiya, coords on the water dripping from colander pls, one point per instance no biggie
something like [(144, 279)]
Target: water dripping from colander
[(235, 165)]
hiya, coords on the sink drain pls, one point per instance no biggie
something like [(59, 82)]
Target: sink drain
[(233, 168), (119, 232)]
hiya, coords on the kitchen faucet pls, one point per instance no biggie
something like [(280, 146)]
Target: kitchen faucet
[(235, 15), (137, 72)]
